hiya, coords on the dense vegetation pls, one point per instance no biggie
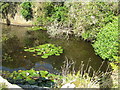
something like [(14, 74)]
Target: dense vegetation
[(83, 19), (26, 10), (8, 8), (106, 44)]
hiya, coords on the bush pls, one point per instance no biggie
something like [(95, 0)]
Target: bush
[(59, 13), (82, 18), (27, 10), (106, 44), (8, 8), (52, 11), (87, 17)]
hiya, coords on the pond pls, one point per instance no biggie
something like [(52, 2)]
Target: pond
[(15, 58)]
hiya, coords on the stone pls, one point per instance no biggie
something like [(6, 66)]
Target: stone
[(8, 85), (68, 85)]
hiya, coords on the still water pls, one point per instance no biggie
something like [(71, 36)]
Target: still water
[(14, 57)]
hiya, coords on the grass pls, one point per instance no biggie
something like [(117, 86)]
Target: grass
[(82, 78)]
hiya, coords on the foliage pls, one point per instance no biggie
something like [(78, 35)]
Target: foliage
[(114, 66), (117, 58), (4, 8), (52, 11), (37, 28), (8, 8), (58, 12), (106, 44), (86, 17), (46, 50), (27, 10), (32, 77)]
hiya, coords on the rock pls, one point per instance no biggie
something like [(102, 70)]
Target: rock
[(8, 85), (68, 85), (27, 87)]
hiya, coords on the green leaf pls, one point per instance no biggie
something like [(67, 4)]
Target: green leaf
[(43, 73)]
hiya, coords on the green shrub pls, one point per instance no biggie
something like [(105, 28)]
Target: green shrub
[(8, 8), (59, 13), (106, 44), (46, 50), (27, 10), (52, 11), (87, 17), (82, 18)]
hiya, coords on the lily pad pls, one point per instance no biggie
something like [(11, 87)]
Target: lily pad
[(44, 56), (46, 50)]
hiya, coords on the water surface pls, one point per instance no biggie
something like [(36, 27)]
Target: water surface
[(20, 37)]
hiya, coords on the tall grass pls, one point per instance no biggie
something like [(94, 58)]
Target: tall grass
[(83, 77)]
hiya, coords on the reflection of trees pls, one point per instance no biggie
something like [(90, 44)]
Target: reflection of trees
[(14, 48), (8, 8), (34, 38), (11, 45)]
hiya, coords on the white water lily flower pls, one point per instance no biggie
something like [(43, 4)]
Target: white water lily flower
[(37, 72), (27, 74)]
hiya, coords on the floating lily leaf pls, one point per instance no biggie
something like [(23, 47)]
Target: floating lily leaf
[(30, 81), (37, 49), (43, 73), (57, 54), (18, 77), (31, 50), (26, 49), (45, 56), (46, 50), (39, 53), (32, 77)]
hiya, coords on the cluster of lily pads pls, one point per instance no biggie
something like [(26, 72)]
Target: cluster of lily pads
[(46, 50), (32, 77)]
